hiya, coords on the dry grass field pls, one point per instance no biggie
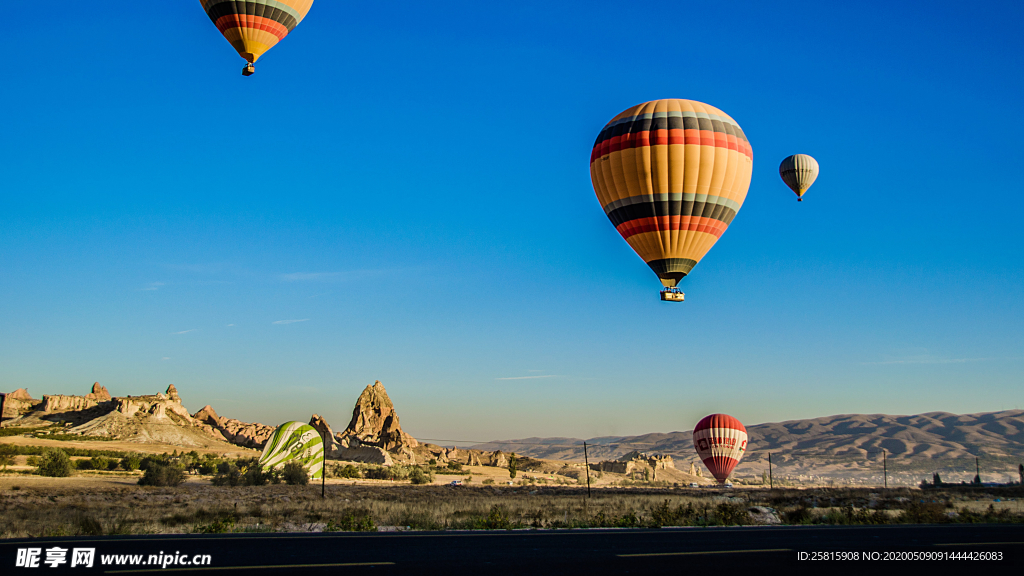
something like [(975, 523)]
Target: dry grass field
[(108, 503)]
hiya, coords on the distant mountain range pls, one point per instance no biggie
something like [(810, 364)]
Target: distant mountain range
[(934, 435)]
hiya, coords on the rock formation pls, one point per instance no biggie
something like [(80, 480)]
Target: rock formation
[(332, 446), (498, 459), (375, 423), (16, 403), (98, 394), (172, 394), (240, 433)]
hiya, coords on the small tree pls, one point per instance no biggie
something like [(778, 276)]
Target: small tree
[(294, 473), (55, 463), (7, 452), (99, 463), (513, 465), (419, 476), (162, 475), (131, 461)]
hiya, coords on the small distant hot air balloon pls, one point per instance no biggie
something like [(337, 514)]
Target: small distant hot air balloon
[(798, 172), (255, 26), (720, 441), (671, 175)]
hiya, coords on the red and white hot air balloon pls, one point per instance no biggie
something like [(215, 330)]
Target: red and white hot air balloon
[(720, 441)]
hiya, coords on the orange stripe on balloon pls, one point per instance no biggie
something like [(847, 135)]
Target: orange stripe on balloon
[(229, 21), (663, 223)]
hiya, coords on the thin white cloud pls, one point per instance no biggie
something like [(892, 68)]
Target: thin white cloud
[(184, 331), (230, 325), (527, 377), (166, 358), (152, 286), (290, 321)]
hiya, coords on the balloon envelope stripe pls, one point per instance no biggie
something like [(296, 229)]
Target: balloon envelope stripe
[(670, 209), (670, 137), (719, 421), (661, 223), (705, 199), (672, 265), (225, 23), (288, 19)]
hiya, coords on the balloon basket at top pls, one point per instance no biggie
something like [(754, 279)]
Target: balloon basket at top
[(672, 295)]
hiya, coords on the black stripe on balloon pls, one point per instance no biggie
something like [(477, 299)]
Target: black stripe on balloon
[(670, 123), (252, 9), (672, 208), (672, 267)]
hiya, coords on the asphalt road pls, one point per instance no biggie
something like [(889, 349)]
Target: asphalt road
[(949, 548)]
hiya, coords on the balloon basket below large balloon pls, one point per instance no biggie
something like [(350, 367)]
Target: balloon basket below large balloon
[(672, 295), (249, 70)]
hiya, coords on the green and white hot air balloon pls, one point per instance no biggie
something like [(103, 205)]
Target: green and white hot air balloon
[(298, 442)]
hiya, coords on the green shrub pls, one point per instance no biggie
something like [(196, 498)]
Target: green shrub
[(55, 463), (162, 475), (419, 476), (7, 453), (131, 461), (252, 473), (99, 463), (346, 471), (352, 521), (294, 473)]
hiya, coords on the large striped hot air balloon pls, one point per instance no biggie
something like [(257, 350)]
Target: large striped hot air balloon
[(671, 175), (255, 26), (799, 171), (295, 441), (720, 441)]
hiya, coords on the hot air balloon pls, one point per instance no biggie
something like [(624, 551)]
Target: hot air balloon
[(295, 441), (720, 441), (671, 175), (798, 172), (255, 26)]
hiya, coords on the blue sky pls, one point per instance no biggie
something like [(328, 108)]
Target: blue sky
[(402, 193)]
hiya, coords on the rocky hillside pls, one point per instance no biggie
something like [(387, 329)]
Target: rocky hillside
[(156, 418), (937, 435)]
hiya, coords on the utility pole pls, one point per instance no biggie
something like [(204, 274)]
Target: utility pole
[(885, 470), (771, 483), (323, 469), (586, 462), (977, 468)]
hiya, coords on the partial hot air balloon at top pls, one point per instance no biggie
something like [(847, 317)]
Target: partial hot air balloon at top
[(255, 26), (720, 441), (798, 172), (671, 176)]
